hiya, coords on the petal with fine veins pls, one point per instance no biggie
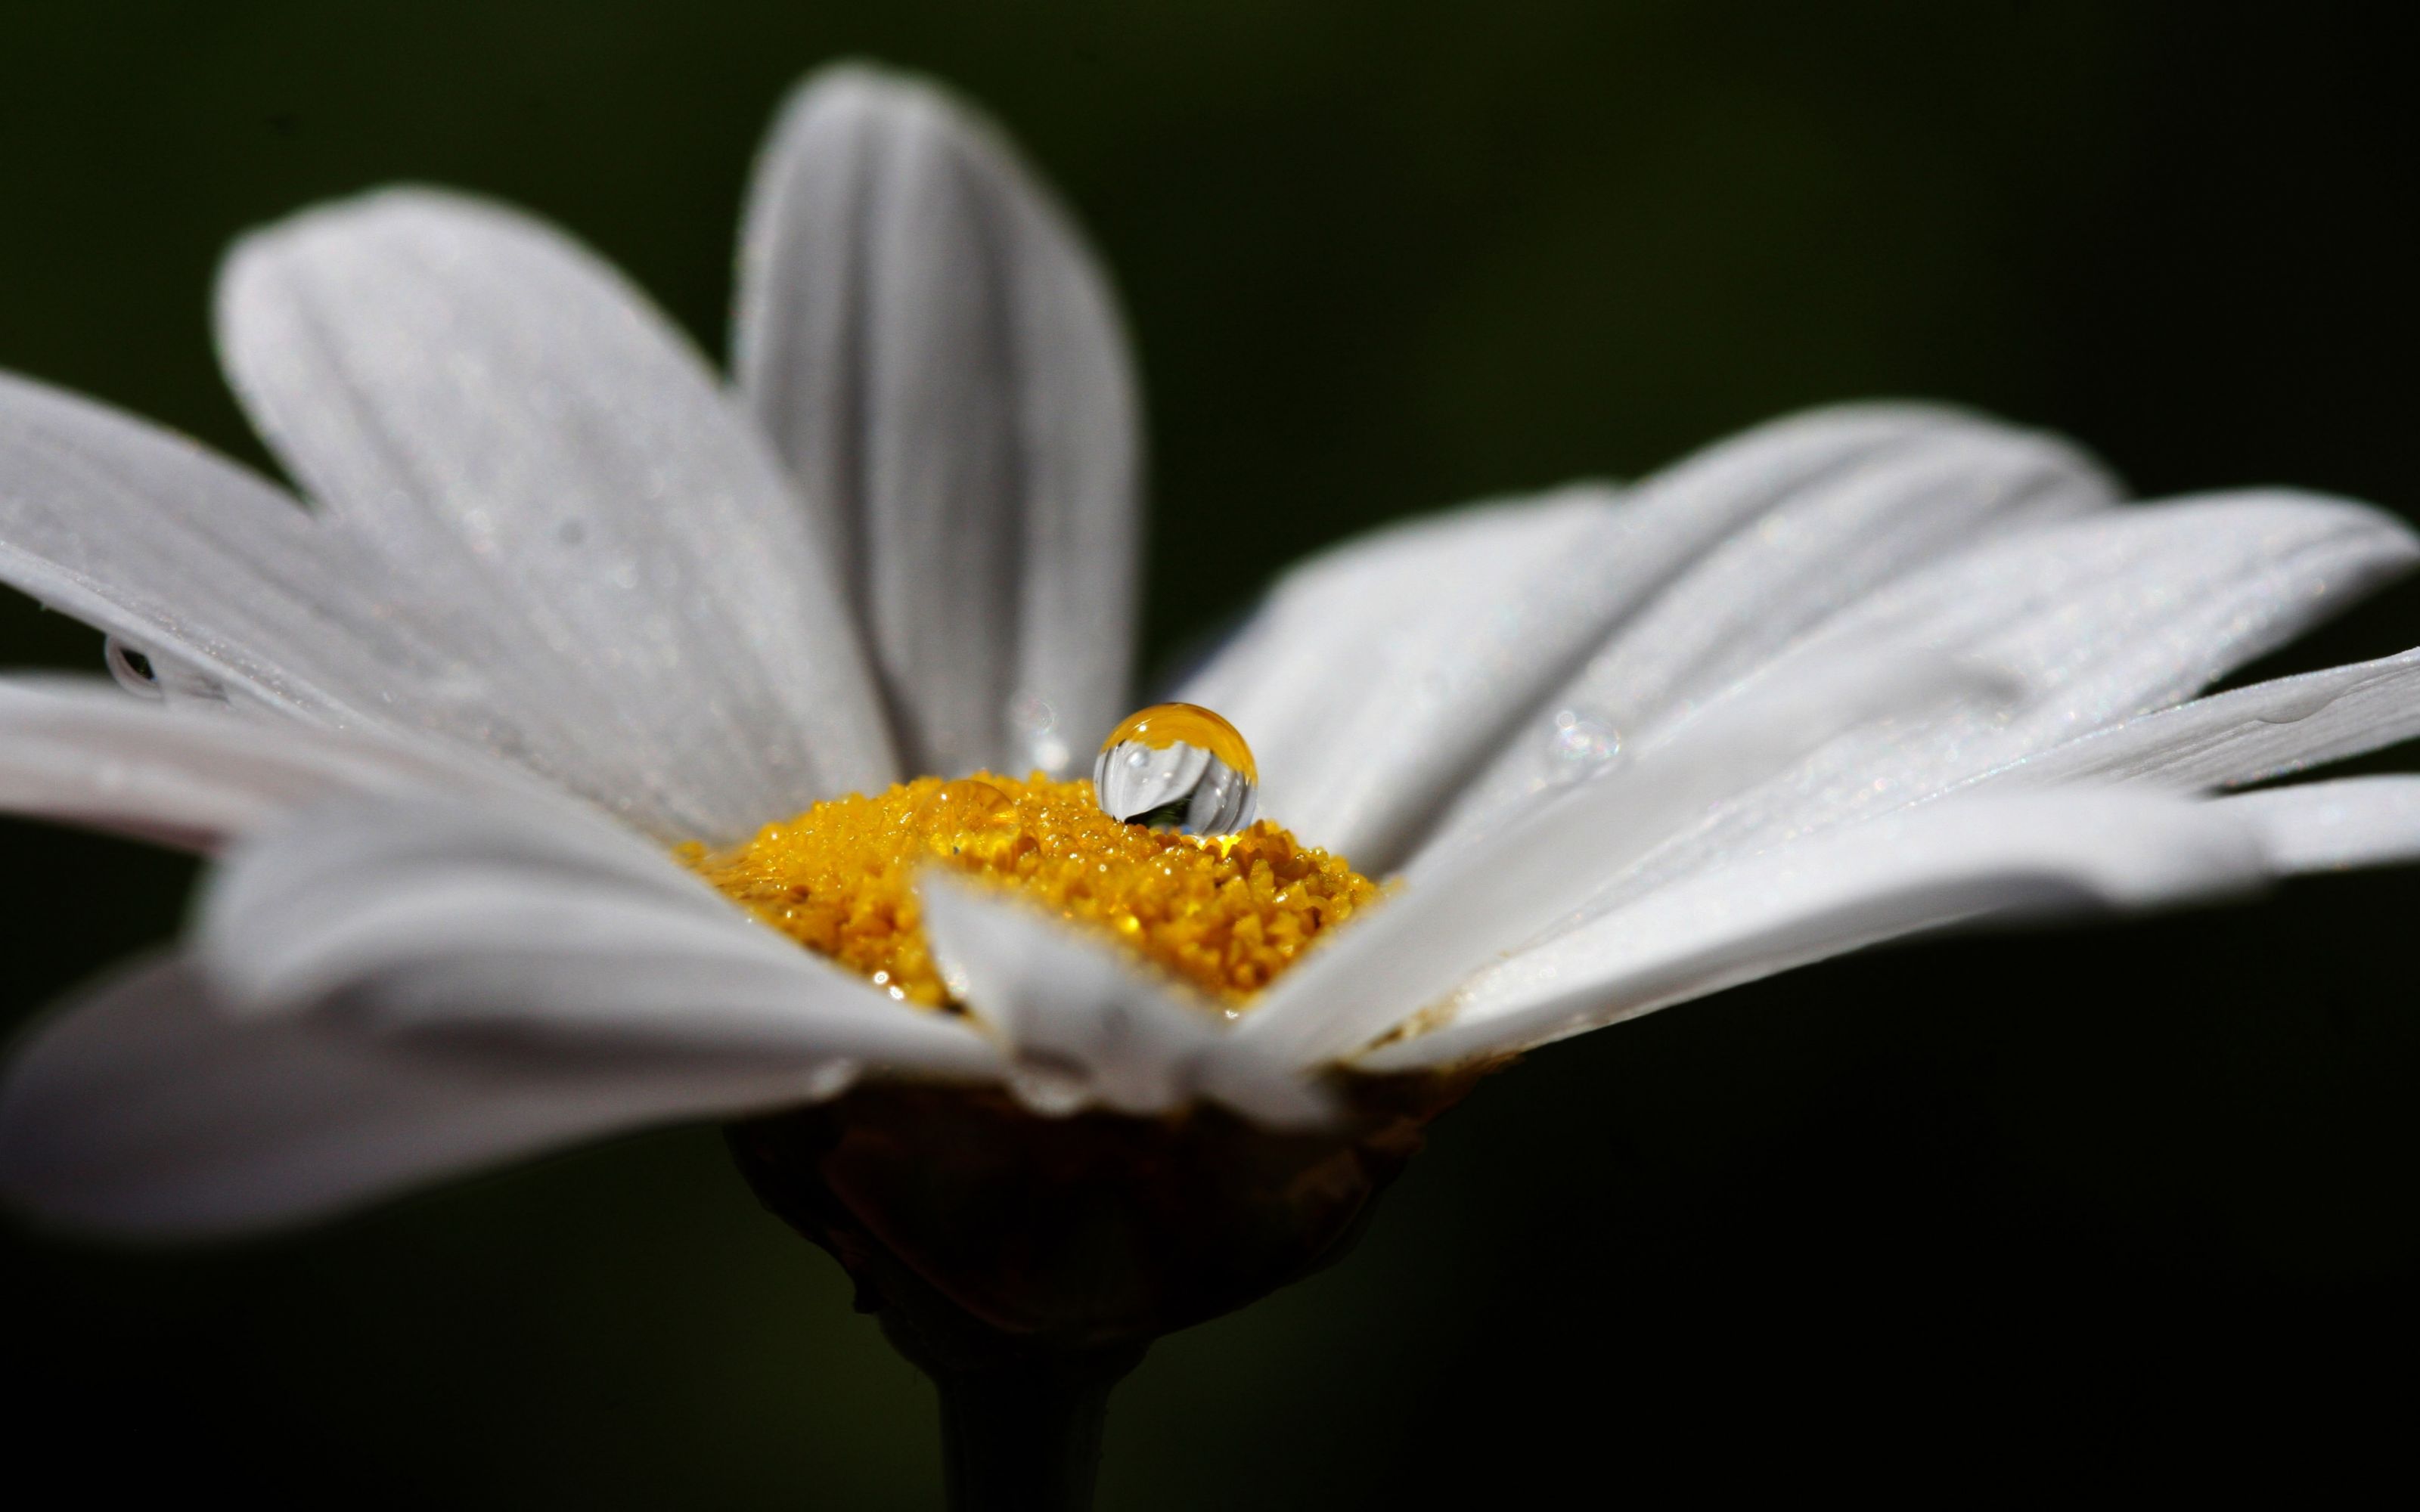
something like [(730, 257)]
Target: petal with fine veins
[(935, 352), (209, 571), (417, 915), (2245, 735), (1824, 548), (481, 398), (1514, 885), (2096, 620), (1961, 860), (1084, 1025), (1376, 674), (142, 533), (144, 1110), (1359, 684), (80, 751)]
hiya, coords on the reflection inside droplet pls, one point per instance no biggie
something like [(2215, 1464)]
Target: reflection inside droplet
[(1177, 766)]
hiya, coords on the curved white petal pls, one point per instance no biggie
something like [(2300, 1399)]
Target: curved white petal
[(149, 536), (2245, 735), (414, 915), (1085, 1025), (2333, 826), (925, 337), (80, 751), (144, 1110), (1829, 545), (236, 595), (481, 399), (2098, 620), (1824, 548), (426, 830), (1377, 674), (2094, 620), (1452, 918), (1959, 860), (144, 534), (1364, 682)]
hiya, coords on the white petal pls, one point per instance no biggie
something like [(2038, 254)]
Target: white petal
[(1377, 674), (1959, 860), (141, 532), (2333, 826), (412, 915), (1824, 547), (238, 596), (144, 1110), (2245, 735), (1086, 1024), (149, 536), (2095, 620), (1447, 921), (80, 751), (1364, 682), (933, 350), (483, 398)]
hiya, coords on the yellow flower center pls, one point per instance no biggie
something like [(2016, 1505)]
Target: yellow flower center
[(1227, 913)]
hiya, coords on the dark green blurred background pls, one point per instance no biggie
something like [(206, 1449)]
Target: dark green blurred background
[(2139, 1199)]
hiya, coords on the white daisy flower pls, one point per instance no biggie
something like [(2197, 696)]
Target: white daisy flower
[(513, 737)]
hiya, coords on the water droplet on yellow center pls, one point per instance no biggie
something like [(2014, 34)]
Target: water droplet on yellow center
[(969, 807), (1177, 766)]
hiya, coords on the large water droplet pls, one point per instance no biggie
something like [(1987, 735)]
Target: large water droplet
[(1177, 766)]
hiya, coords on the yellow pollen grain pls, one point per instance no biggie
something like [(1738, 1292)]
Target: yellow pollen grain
[(1228, 914)]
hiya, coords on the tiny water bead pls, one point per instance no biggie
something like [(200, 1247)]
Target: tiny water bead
[(1227, 913), (132, 667), (148, 675), (1580, 742), (966, 811), (1177, 766)]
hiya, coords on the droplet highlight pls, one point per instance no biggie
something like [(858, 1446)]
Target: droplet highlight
[(1177, 766), (1033, 733)]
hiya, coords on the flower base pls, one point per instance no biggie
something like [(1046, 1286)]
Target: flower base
[(1026, 1263)]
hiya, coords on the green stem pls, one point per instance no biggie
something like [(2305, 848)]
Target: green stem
[(1022, 1438), (1021, 1429)]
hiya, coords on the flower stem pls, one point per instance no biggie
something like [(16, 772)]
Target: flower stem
[(1020, 1431)]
